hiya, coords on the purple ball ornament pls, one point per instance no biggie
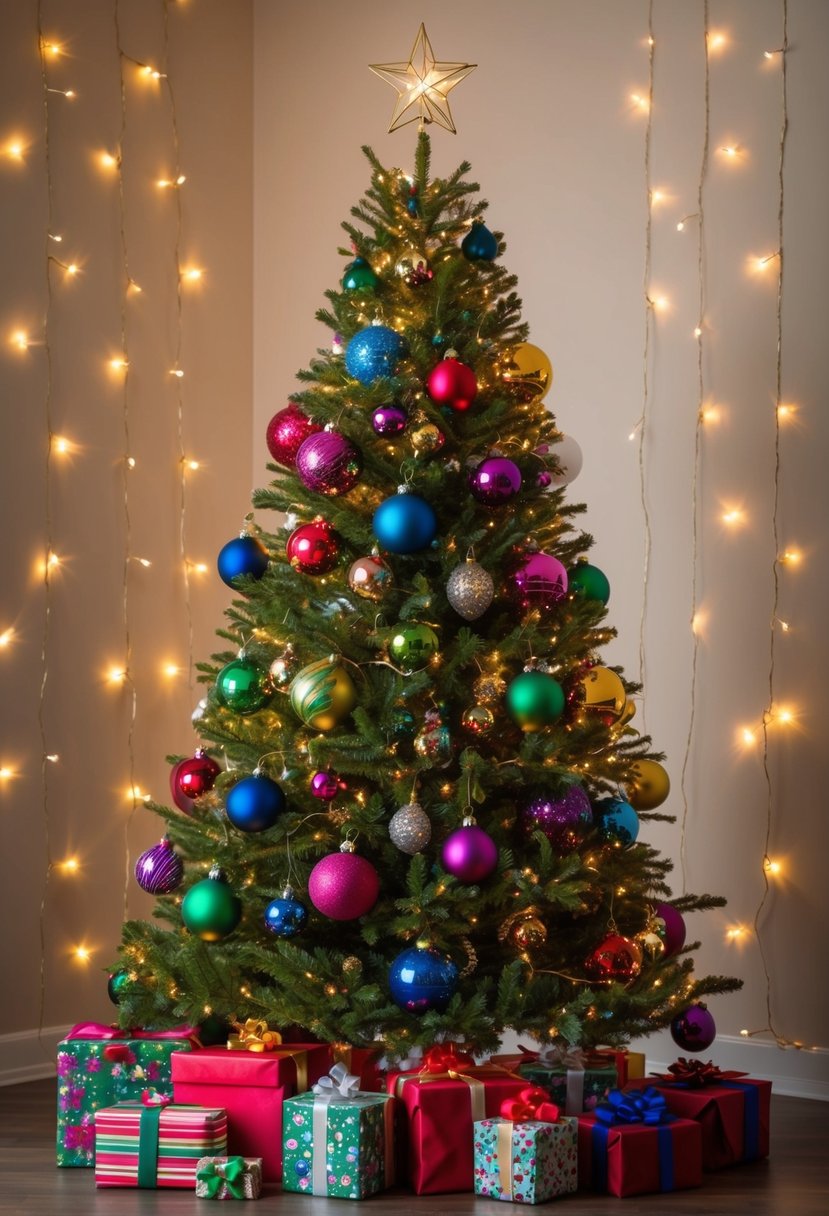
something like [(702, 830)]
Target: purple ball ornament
[(540, 581), (564, 821), (328, 463), (160, 870), (469, 853), (343, 886), (694, 1029), (673, 937), (389, 420), (495, 481), (325, 785)]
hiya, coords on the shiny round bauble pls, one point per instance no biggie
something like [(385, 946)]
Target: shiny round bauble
[(389, 420), (569, 456), (255, 803), (323, 694), (244, 556), (603, 695), (343, 886), (539, 581), (589, 582), (403, 724), (477, 720), (694, 1029), (529, 371), (452, 383), (160, 870), (410, 828), (313, 548), (616, 822), (373, 352), (564, 820), (412, 645), (405, 523), (243, 687), (286, 916), (284, 667), (489, 688), (469, 854), (210, 910), (534, 700), (434, 742), (479, 245), (191, 778), (427, 438), (528, 933), (286, 433), (672, 928), (651, 945), (495, 481), (617, 958), (649, 787), (422, 978), (470, 589), (118, 984), (325, 785), (359, 276), (370, 578), (328, 463)]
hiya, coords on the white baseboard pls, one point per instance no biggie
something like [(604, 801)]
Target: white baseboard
[(29, 1056)]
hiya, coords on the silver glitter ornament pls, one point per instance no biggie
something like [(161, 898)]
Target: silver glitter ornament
[(470, 590), (410, 828)]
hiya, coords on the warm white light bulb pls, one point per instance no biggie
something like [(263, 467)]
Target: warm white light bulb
[(6, 637)]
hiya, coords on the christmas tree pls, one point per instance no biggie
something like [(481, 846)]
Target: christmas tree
[(420, 811)]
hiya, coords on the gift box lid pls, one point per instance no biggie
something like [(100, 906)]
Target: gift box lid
[(219, 1066), (360, 1099)]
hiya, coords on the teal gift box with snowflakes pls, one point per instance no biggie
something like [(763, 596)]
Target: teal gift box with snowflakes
[(99, 1066), (530, 1154), (337, 1141)]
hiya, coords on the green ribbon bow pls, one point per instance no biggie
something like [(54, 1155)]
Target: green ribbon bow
[(229, 1172)]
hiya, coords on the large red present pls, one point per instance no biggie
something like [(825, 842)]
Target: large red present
[(631, 1146), (149, 1144), (363, 1063), (442, 1100), (251, 1086)]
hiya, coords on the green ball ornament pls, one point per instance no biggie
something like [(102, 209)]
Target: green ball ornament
[(359, 276), (243, 686), (323, 693), (210, 910), (535, 700), (413, 645), (118, 984), (588, 581)]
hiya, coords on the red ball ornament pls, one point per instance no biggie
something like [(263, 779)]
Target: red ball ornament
[(617, 958), (452, 383), (469, 853), (343, 886), (191, 778), (286, 432), (313, 548)]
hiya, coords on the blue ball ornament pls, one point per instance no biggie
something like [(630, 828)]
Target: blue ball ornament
[(255, 803), (301, 1168), (242, 555), (286, 916), (372, 353), (421, 978), (479, 245), (616, 821), (405, 523)]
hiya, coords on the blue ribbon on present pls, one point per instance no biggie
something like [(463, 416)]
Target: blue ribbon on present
[(645, 1106), (751, 1117)]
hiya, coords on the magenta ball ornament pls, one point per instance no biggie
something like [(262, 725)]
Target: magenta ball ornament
[(539, 581), (313, 548), (694, 1029), (452, 383), (495, 481), (469, 854), (389, 420), (343, 886), (328, 463), (191, 778), (674, 936), (325, 785), (564, 820), (286, 433), (160, 870)]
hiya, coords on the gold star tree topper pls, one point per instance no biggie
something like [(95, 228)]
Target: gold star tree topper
[(423, 85)]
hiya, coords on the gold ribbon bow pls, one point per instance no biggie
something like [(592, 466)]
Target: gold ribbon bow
[(253, 1035)]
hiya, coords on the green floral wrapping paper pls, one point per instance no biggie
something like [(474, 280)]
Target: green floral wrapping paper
[(526, 1162), (576, 1091), (342, 1149)]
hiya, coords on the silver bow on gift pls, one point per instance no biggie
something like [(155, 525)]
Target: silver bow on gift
[(559, 1055), (338, 1085)]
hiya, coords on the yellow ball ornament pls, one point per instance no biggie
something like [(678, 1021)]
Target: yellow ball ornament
[(323, 694), (604, 695), (529, 371), (528, 933), (650, 785)]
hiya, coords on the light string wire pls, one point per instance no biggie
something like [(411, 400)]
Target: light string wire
[(701, 284)]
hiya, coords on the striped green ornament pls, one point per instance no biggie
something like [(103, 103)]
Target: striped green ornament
[(323, 693)]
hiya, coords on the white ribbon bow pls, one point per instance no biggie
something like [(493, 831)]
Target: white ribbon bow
[(338, 1085)]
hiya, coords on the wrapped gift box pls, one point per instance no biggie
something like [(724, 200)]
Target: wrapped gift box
[(151, 1146), (363, 1062), (229, 1178), (575, 1090), (629, 1156), (732, 1110), (527, 1162), (251, 1086), (562, 1062), (98, 1066), (341, 1147)]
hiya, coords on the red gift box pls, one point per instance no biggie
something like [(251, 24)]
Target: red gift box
[(442, 1101), (639, 1158), (362, 1062), (251, 1086), (733, 1112)]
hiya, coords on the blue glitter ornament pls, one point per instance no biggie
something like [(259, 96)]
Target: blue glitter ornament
[(301, 1167), (405, 523), (242, 555), (286, 916), (421, 978), (255, 803), (616, 821), (479, 245), (372, 353)]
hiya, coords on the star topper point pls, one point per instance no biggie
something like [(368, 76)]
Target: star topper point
[(423, 85)]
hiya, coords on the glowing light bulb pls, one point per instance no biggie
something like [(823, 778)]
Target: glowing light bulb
[(785, 413), (717, 41), (193, 465), (72, 269), (143, 561), (170, 670), (133, 793), (6, 772), (711, 414), (52, 561), (52, 49), (134, 287), (69, 865), (774, 868), (82, 954), (177, 372), (784, 625), (731, 151), (784, 716), (52, 757), (658, 196), (792, 557), (14, 149), (20, 339), (747, 737), (698, 331), (118, 365), (6, 637), (197, 567), (61, 445), (192, 274), (680, 226), (108, 161), (116, 675), (170, 184), (130, 462), (735, 933), (659, 303), (733, 517), (641, 103)]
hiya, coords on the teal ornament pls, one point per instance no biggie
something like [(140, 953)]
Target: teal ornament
[(372, 353), (242, 686), (422, 978), (438, 340), (413, 645), (535, 700), (359, 276), (479, 245), (210, 910), (589, 582), (616, 821), (118, 984), (403, 724), (405, 523)]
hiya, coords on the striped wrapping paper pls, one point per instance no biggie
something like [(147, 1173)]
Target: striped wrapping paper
[(185, 1134)]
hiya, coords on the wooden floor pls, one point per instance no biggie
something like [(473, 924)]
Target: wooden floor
[(793, 1182)]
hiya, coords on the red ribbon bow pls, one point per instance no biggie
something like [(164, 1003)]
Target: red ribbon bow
[(531, 1103), (151, 1097), (695, 1074), (444, 1057), (97, 1030)]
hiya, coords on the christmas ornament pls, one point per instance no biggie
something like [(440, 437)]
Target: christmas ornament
[(422, 978), (255, 803), (603, 694), (325, 785), (415, 274), (389, 420), (433, 741), (286, 916), (589, 582), (534, 700), (286, 433), (118, 984), (527, 931), (160, 870), (191, 778), (284, 667), (452, 383), (323, 693), (470, 589), (495, 481), (410, 828), (244, 556), (210, 910), (413, 645), (568, 456), (343, 886), (528, 371), (489, 688), (617, 958), (479, 245), (564, 820), (242, 686), (403, 723), (469, 853), (694, 1029), (404, 523), (359, 276), (651, 945), (478, 720), (313, 548), (352, 965), (427, 439), (328, 463), (539, 581), (616, 821), (373, 352), (370, 577), (423, 85), (670, 926), (649, 787)]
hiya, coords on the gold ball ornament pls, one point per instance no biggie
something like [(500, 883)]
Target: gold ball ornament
[(370, 578), (604, 695), (284, 667), (352, 965), (528, 933), (478, 720), (650, 785), (489, 688), (323, 694), (427, 439), (651, 945), (528, 370)]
